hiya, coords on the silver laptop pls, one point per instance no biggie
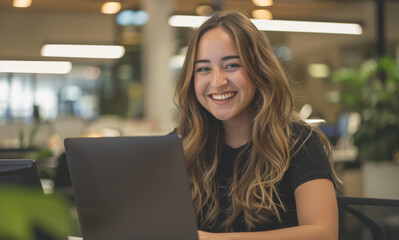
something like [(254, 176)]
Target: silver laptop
[(131, 188)]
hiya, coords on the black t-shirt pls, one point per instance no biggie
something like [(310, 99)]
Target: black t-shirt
[(309, 163)]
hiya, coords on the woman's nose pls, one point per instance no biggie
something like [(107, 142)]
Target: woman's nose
[(219, 79)]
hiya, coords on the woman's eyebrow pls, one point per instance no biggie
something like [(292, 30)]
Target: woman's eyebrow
[(223, 59), (202, 61), (230, 57)]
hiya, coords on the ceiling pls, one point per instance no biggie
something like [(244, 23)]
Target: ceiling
[(356, 11), (282, 9), (23, 41)]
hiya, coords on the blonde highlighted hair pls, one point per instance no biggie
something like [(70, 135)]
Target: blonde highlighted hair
[(253, 186)]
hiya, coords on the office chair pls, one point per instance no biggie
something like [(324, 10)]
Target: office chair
[(368, 218)]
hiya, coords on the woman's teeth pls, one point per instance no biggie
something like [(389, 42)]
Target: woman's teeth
[(222, 96)]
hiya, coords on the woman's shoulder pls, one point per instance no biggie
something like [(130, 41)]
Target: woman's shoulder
[(301, 131), (298, 127), (305, 136), (309, 159)]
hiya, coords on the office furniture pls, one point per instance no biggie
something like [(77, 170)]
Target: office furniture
[(368, 218)]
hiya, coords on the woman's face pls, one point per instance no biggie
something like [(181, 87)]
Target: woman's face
[(221, 83)]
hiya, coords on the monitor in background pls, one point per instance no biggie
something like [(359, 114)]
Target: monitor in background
[(131, 188), (20, 172)]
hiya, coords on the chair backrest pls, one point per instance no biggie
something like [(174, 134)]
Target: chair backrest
[(368, 218)]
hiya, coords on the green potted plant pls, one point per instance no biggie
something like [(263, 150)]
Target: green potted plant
[(372, 90), (28, 214), (39, 153)]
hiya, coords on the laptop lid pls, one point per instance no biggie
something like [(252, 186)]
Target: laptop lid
[(131, 188), (19, 172)]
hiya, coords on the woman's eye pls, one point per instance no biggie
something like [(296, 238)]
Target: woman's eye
[(202, 69), (232, 65)]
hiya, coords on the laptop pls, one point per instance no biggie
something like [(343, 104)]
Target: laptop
[(131, 188), (19, 172)]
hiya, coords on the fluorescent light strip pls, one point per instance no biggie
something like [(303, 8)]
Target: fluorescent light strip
[(45, 67), (310, 27), (186, 21), (315, 121), (278, 25), (83, 51)]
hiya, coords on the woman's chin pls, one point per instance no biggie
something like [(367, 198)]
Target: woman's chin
[(222, 116)]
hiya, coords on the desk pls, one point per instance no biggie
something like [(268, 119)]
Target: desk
[(16, 153)]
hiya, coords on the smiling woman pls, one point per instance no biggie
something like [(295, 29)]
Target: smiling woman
[(257, 171), (221, 83)]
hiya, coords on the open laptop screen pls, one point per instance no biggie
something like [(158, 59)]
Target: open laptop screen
[(131, 188)]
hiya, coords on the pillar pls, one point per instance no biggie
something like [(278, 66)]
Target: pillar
[(158, 48)]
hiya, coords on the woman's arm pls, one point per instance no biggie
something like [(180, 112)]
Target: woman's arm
[(317, 212)]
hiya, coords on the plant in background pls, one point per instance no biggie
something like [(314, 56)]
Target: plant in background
[(27, 213), (373, 91), (31, 137), (38, 153)]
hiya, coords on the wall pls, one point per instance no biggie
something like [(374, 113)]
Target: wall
[(22, 33)]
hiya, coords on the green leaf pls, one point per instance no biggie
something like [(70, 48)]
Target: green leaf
[(388, 65), (23, 208), (367, 70), (21, 137), (32, 135)]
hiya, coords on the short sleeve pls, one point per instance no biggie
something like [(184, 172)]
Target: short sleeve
[(310, 161)]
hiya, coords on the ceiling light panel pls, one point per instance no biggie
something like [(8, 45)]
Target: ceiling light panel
[(83, 51), (45, 67)]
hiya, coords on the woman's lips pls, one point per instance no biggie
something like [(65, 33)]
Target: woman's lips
[(222, 96)]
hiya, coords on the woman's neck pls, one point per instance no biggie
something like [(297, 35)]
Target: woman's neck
[(236, 133)]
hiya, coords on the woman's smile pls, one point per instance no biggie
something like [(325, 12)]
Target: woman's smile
[(222, 96)]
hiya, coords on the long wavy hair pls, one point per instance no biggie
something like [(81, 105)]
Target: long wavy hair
[(253, 185)]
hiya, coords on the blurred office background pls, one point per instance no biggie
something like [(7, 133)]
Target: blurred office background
[(128, 91), (132, 93)]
